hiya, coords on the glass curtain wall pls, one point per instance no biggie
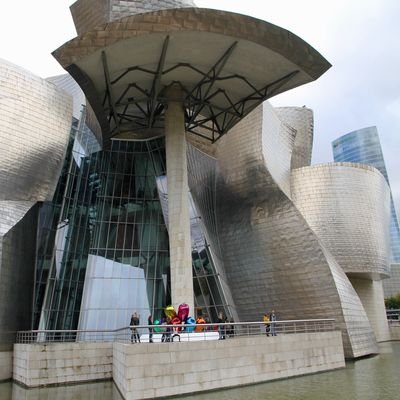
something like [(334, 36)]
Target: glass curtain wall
[(208, 293), (49, 216), (64, 244), (104, 249), (128, 266), (209, 300)]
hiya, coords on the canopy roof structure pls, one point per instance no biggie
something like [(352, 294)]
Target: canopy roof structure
[(225, 63)]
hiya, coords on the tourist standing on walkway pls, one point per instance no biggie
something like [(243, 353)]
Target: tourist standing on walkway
[(164, 330), (230, 329), (272, 319), (221, 328), (166, 336), (134, 322), (267, 324), (150, 322)]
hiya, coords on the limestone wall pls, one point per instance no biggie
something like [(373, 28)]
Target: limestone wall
[(61, 363), (154, 370), (394, 331)]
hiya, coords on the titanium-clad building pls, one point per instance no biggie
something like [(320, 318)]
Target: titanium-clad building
[(363, 146), (126, 69), (270, 253), (347, 206), (35, 122), (87, 235)]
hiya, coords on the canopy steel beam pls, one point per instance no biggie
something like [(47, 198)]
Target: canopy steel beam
[(209, 78), (108, 90), (206, 110), (155, 89)]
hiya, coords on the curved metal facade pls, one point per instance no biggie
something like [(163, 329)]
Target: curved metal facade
[(363, 146), (88, 14), (66, 83), (146, 51), (347, 205), (272, 259), (302, 120), (35, 121)]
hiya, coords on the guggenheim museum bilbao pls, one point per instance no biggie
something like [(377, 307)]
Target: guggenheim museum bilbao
[(177, 182)]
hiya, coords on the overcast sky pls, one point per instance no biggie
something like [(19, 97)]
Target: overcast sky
[(360, 38)]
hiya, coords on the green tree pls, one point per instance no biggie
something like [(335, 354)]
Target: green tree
[(393, 302)]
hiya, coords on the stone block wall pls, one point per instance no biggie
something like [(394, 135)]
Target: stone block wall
[(155, 370), (61, 363), (394, 331)]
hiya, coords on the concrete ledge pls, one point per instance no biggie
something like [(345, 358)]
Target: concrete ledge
[(166, 369), (394, 331), (6, 365), (61, 363)]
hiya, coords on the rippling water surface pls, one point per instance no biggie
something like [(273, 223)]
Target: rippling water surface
[(374, 378)]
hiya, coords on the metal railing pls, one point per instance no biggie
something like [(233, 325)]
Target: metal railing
[(178, 332), (393, 316)]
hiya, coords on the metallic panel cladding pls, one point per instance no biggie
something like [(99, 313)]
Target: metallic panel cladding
[(65, 82), (301, 119), (35, 122), (347, 205), (363, 146), (202, 175), (88, 14), (132, 41), (272, 259)]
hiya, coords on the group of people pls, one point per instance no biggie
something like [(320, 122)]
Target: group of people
[(224, 330), (270, 325), (168, 332)]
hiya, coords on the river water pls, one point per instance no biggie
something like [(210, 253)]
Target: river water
[(374, 378)]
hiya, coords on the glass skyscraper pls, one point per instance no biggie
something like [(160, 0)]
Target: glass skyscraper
[(363, 146)]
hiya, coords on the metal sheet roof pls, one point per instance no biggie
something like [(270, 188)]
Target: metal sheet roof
[(226, 64)]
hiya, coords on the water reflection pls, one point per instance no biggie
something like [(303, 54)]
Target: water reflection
[(367, 379)]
